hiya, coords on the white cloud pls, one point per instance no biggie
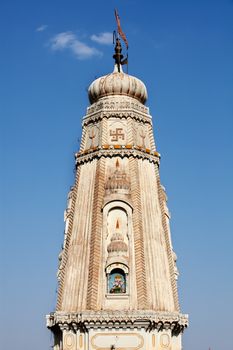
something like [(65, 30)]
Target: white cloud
[(68, 40), (42, 28), (62, 40), (103, 38)]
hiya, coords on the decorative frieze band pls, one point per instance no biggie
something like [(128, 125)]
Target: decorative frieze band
[(96, 117), (118, 104), (117, 150)]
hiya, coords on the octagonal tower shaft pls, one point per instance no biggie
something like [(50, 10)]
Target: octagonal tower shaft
[(117, 273)]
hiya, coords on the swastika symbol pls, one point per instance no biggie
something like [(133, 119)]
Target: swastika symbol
[(117, 134)]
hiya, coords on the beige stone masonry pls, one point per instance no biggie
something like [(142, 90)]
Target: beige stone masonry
[(117, 274)]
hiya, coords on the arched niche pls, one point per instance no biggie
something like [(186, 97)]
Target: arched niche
[(117, 210), (116, 266), (117, 280)]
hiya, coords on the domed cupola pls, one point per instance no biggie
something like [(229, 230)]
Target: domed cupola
[(118, 181), (117, 83), (117, 244)]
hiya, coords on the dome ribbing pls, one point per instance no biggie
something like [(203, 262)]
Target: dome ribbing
[(117, 83)]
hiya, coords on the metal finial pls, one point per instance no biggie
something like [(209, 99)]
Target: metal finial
[(118, 55), (119, 58)]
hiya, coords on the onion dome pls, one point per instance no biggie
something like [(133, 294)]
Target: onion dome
[(117, 243), (117, 82)]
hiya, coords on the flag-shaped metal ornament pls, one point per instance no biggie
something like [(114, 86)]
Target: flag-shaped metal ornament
[(119, 30)]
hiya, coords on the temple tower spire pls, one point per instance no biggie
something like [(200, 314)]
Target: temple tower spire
[(117, 269)]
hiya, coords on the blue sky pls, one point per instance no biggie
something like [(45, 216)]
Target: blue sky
[(50, 53)]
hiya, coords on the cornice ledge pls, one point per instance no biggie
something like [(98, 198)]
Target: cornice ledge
[(113, 151), (148, 319)]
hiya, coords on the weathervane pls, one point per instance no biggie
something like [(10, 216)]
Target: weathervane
[(119, 58)]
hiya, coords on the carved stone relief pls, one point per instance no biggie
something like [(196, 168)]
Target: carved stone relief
[(164, 341), (69, 341), (122, 103), (117, 132), (142, 135), (92, 137), (117, 179)]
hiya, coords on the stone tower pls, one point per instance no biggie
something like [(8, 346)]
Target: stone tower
[(117, 269)]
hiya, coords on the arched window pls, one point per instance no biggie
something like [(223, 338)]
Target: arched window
[(117, 282)]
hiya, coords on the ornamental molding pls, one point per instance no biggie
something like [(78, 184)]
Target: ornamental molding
[(98, 116), (117, 103), (148, 319), (116, 150)]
